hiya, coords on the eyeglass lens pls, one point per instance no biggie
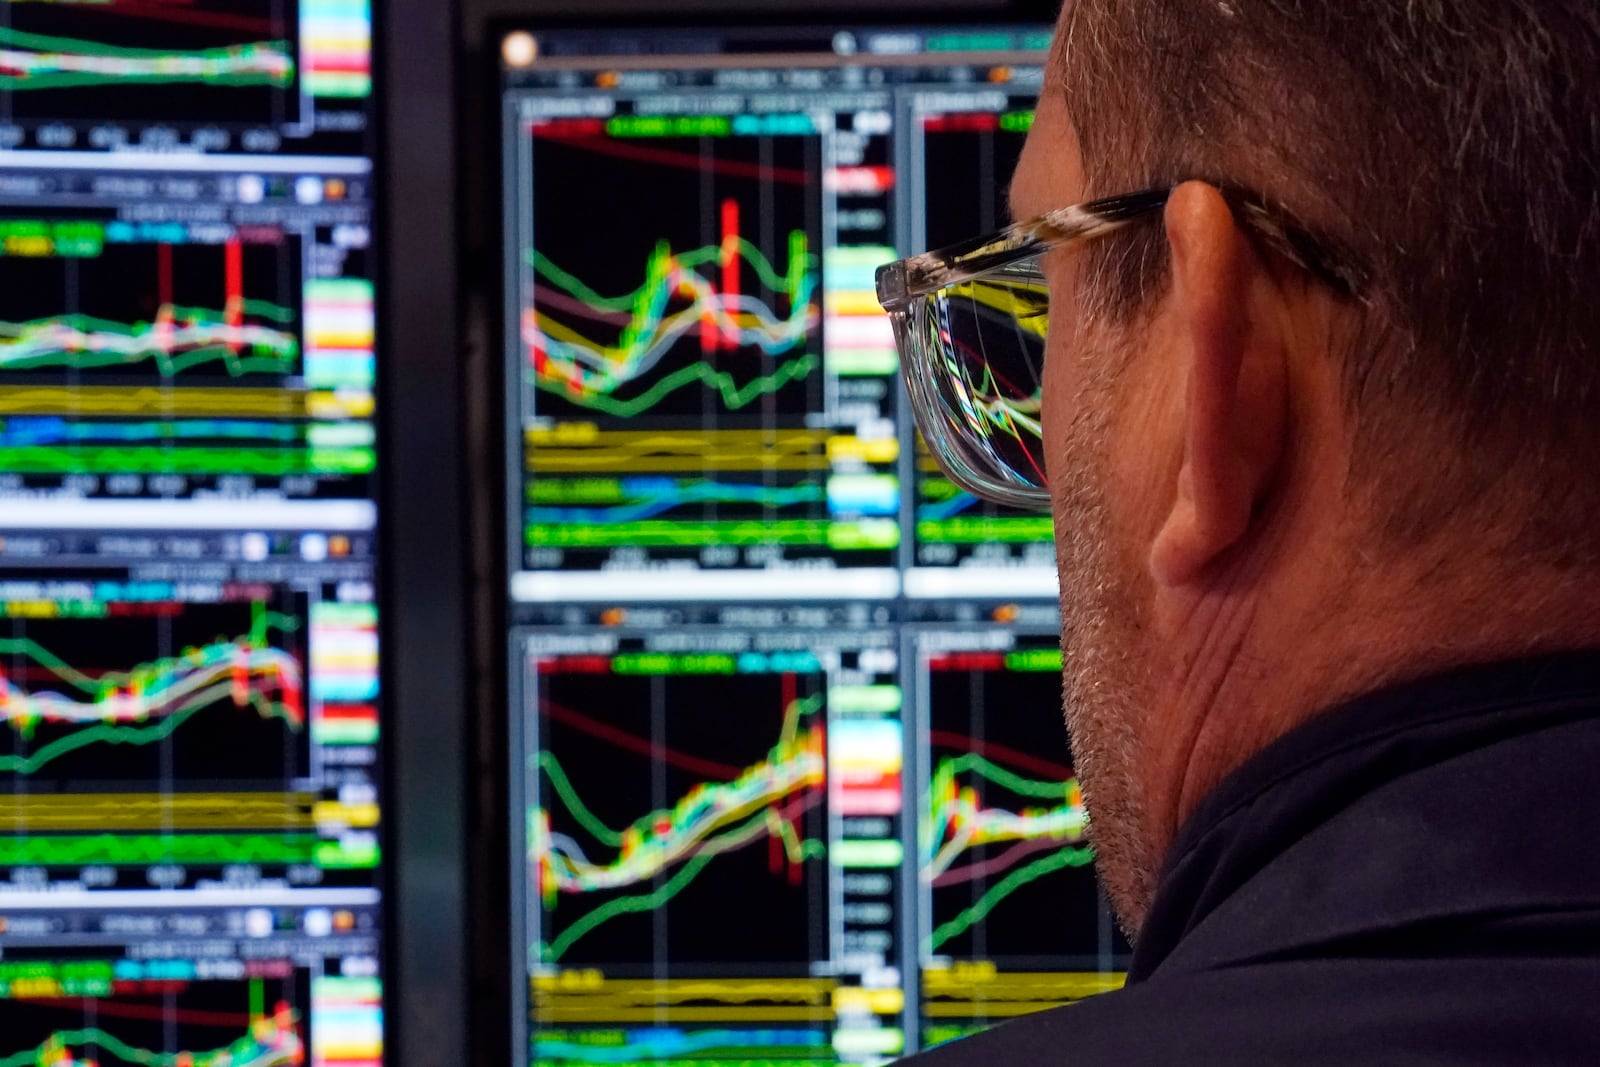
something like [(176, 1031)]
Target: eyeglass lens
[(983, 340)]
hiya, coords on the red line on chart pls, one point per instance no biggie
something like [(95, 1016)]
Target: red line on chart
[(667, 157), (89, 1007), (623, 739), (951, 739), (547, 297), (183, 14), (973, 871)]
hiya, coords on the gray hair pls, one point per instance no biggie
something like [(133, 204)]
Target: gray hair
[(1454, 147)]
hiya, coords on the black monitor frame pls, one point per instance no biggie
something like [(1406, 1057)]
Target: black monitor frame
[(423, 559)]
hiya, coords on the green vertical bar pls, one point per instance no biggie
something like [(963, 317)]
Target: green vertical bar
[(797, 265)]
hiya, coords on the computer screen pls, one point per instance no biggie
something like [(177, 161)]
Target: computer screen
[(190, 782), (788, 771), (789, 781)]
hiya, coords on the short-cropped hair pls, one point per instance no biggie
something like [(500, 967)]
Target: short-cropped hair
[(1453, 148)]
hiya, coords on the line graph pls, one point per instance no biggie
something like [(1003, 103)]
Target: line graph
[(674, 344), (686, 297), (215, 693), (622, 889), (154, 60), (194, 325), (970, 157), (1001, 831), (252, 1022), (134, 312), (30, 61)]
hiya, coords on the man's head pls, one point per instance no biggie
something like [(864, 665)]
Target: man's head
[(1269, 495)]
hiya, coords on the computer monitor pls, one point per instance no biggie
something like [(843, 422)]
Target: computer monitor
[(788, 781), (191, 792)]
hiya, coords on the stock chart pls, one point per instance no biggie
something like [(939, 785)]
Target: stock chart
[(271, 66), (162, 358), (643, 801), (190, 707), (969, 157), (1013, 918), (689, 814), (708, 786), (170, 1012), (200, 747), (679, 400), (95, 1012)]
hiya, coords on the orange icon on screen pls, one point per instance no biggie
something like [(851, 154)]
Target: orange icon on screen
[(344, 921), (338, 545), (999, 75), (607, 79), (613, 617), (1005, 613)]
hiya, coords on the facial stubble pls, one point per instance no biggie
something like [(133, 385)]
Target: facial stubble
[(1106, 676)]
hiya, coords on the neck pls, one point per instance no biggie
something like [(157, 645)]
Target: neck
[(1280, 637)]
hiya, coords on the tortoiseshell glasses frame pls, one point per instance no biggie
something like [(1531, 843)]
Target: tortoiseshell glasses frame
[(970, 322)]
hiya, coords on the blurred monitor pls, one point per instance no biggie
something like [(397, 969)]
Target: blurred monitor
[(789, 781), (190, 716)]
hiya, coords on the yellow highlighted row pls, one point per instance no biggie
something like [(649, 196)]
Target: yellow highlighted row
[(155, 811), (184, 401)]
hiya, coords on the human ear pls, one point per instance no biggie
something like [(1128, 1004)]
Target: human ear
[(1233, 412)]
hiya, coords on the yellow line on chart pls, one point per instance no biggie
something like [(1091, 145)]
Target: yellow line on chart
[(774, 1013), (645, 991), (112, 400), (155, 811)]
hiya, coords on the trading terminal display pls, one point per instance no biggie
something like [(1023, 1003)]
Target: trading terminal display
[(191, 790), (789, 777), (964, 160), (1000, 834), (684, 405), (203, 75)]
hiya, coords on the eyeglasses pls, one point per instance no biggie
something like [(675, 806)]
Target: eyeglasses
[(970, 323)]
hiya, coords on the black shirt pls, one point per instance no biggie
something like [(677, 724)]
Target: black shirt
[(1412, 877)]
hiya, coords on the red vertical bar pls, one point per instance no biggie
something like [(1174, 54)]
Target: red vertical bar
[(233, 272), (164, 297), (730, 263)]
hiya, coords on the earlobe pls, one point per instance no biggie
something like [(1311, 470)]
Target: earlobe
[(1232, 413)]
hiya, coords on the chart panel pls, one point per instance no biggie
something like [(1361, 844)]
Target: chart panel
[(691, 390), (966, 161), (143, 987), (103, 75), (1012, 920), (183, 734), (671, 790), (724, 783), (171, 359)]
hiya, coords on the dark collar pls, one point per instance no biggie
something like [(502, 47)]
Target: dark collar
[(1256, 822)]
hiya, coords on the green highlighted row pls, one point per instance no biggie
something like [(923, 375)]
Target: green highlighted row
[(55, 459), (35, 237), (663, 533), (1011, 530), (1035, 659), (776, 125), (141, 850)]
